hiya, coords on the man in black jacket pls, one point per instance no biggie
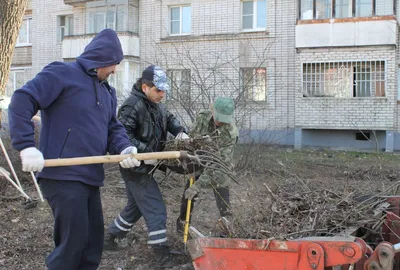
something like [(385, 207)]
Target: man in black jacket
[(147, 122)]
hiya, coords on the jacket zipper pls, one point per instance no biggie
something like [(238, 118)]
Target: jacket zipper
[(65, 141)]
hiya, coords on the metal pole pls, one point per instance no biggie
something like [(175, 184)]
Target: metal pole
[(9, 163)]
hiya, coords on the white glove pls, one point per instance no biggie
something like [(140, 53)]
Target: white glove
[(151, 162), (32, 160), (129, 162), (182, 136)]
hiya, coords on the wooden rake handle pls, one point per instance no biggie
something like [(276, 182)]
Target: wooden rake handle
[(113, 158)]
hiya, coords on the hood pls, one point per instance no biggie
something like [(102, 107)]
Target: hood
[(139, 93), (103, 51)]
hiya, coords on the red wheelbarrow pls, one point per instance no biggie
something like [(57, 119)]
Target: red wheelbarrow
[(314, 253)]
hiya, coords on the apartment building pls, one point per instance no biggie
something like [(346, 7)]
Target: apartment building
[(303, 73)]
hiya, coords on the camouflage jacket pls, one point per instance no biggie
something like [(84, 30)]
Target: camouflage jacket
[(226, 138)]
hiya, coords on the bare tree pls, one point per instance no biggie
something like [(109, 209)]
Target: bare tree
[(197, 76), (11, 14)]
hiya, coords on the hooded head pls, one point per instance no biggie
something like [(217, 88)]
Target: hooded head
[(103, 51)]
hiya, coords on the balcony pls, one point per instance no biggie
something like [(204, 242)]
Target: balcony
[(73, 46), (346, 32), (76, 3)]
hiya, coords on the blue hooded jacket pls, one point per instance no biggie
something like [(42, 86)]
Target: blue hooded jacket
[(78, 112)]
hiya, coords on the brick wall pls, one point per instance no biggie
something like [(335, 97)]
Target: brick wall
[(216, 49), (348, 113)]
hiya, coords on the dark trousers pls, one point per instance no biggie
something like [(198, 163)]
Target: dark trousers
[(78, 224), (144, 199), (222, 198)]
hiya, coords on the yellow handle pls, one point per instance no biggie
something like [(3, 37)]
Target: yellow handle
[(189, 205), (111, 158)]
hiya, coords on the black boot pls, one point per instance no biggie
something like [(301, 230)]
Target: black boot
[(109, 242), (163, 257)]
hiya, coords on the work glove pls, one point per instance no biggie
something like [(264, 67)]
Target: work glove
[(32, 160), (182, 136), (192, 191), (151, 162), (129, 162)]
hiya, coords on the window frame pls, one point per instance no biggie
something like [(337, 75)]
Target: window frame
[(69, 27), (28, 20), (354, 5), (255, 17), (349, 79), (244, 84), (172, 95), (13, 72), (180, 20), (104, 10)]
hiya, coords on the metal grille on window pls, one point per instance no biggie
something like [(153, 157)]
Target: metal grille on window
[(344, 79)]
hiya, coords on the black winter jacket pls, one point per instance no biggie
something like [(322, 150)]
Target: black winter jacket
[(147, 124)]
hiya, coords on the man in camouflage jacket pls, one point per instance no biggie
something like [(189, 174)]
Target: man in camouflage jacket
[(217, 123)]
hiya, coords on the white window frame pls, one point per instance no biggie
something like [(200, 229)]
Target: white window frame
[(251, 96), (104, 11), (28, 38), (255, 17), (352, 8), (67, 31), (14, 71), (180, 20)]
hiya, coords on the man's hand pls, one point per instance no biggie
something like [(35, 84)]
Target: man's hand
[(129, 162), (182, 136), (192, 191), (32, 160)]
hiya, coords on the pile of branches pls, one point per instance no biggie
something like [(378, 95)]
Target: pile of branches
[(321, 212), (204, 154)]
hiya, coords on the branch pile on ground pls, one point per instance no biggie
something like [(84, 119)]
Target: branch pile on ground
[(297, 211)]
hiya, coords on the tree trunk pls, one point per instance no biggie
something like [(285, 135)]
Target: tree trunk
[(11, 15)]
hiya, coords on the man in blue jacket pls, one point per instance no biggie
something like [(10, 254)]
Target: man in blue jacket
[(78, 111)]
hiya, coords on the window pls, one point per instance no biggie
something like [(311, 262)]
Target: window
[(343, 9), (364, 8), (180, 20), (125, 76), (25, 33), (326, 9), (65, 26), (180, 84), (113, 17), (254, 83), (254, 15), (16, 79), (344, 79)]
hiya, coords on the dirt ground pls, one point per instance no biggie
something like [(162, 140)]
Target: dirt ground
[(26, 234)]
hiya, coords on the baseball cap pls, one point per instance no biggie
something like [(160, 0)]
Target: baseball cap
[(223, 109), (157, 76)]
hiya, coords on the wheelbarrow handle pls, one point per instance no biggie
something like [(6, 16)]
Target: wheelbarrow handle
[(113, 158)]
